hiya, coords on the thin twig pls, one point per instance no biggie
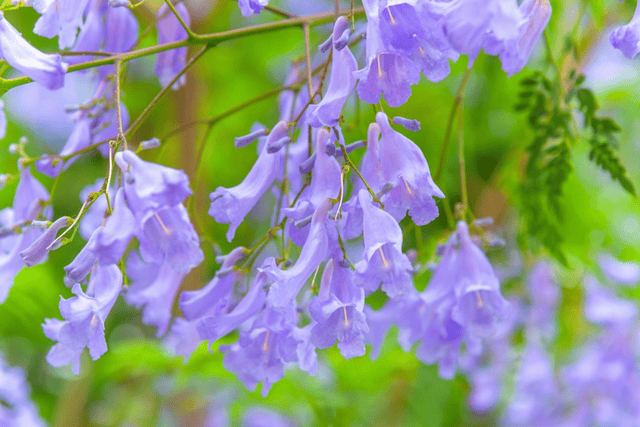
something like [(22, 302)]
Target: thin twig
[(118, 76), (452, 117)]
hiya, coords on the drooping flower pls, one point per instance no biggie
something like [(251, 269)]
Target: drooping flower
[(338, 311), (341, 83), (287, 283), (627, 37), (536, 15), (150, 187), (220, 322), (544, 294), (60, 18), (28, 203), (153, 288), (473, 25), (45, 69), (383, 262), (325, 183), (231, 205), (402, 164), (624, 273), (196, 304), (168, 236), (171, 62), (84, 315), (251, 7), (41, 247), (259, 356), (17, 409)]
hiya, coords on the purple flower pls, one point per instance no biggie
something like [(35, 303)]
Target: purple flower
[(153, 287), (627, 37), (262, 351), (544, 294), (624, 273), (383, 263), (17, 409), (338, 311), (84, 315), (603, 307), (41, 247), (168, 236), (220, 323), (389, 74), (341, 83), (170, 63), (480, 303), (536, 397), (121, 29), (45, 69), (251, 7), (81, 265), (263, 417), (29, 198), (59, 18), (149, 187), (325, 183), (287, 283), (472, 25), (183, 338), (231, 205), (109, 242), (196, 304), (402, 164), (536, 15)]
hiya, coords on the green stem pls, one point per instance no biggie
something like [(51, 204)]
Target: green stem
[(452, 116), (205, 39), (461, 163), (179, 18)]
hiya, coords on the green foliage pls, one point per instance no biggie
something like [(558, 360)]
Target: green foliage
[(549, 165)]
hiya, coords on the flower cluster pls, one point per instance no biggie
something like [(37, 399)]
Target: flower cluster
[(336, 233)]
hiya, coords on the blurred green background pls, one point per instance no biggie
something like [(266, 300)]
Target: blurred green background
[(138, 383)]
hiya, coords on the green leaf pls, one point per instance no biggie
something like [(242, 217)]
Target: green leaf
[(603, 155)]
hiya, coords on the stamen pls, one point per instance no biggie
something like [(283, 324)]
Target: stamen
[(384, 260), (480, 303), (407, 186), (265, 345), (346, 319), (164, 227), (380, 73), (393, 21)]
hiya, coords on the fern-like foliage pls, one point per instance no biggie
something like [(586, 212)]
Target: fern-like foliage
[(550, 164)]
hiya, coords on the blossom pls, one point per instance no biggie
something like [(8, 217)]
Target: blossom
[(60, 18), (168, 236), (627, 37), (17, 409), (195, 304), (262, 351), (153, 288), (45, 69), (625, 273), (383, 260), (28, 202), (84, 315), (402, 164), (544, 294), (41, 247), (536, 15), (231, 205), (149, 187), (171, 62), (603, 307), (341, 83), (220, 323), (338, 311), (472, 25), (251, 7), (287, 283)]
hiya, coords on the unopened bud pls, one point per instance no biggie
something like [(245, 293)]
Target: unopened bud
[(243, 141), (306, 166), (13, 149), (150, 144), (408, 124)]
